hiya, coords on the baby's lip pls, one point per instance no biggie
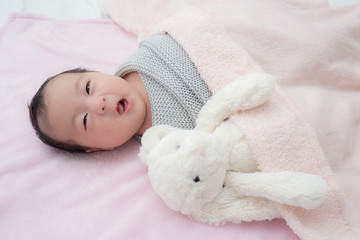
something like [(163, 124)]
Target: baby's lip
[(124, 106)]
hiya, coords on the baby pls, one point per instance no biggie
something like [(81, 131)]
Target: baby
[(82, 110), (86, 110)]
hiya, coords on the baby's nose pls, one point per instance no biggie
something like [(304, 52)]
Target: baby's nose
[(100, 105)]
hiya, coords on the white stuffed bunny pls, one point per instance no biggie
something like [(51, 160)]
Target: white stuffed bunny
[(209, 173)]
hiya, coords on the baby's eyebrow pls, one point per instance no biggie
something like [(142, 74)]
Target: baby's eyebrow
[(79, 77), (77, 84), (77, 91), (73, 122)]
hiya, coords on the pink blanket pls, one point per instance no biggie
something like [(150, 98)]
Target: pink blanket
[(49, 194), (313, 50)]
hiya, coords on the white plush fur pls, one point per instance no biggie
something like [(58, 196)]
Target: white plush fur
[(209, 173)]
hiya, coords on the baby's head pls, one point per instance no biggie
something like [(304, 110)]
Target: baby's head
[(81, 110)]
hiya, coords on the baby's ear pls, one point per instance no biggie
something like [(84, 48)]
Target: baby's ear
[(151, 138)]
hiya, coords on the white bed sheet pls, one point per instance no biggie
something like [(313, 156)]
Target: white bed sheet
[(60, 9), (76, 9)]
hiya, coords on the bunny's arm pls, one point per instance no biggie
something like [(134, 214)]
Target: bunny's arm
[(240, 155), (230, 207), (291, 188), (243, 93)]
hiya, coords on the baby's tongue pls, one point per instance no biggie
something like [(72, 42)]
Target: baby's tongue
[(121, 107)]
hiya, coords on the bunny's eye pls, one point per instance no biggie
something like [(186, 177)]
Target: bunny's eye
[(196, 179), (177, 146)]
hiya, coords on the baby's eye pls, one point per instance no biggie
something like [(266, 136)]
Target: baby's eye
[(87, 87), (85, 121)]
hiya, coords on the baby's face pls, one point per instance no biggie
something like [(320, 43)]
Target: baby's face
[(92, 109)]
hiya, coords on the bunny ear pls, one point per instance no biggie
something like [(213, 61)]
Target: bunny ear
[(151, 138), (245, 92)]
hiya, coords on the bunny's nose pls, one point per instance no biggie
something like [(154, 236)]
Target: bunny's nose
[(200, 150)]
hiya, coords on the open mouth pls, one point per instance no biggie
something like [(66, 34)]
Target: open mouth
[(122, 106)]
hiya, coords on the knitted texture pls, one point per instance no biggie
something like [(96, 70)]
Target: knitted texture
[(175, 88)]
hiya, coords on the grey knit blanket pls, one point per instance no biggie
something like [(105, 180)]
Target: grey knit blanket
[(175, 88)]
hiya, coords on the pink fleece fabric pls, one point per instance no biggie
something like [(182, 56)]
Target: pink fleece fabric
[(312, 122), (50, 194)]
